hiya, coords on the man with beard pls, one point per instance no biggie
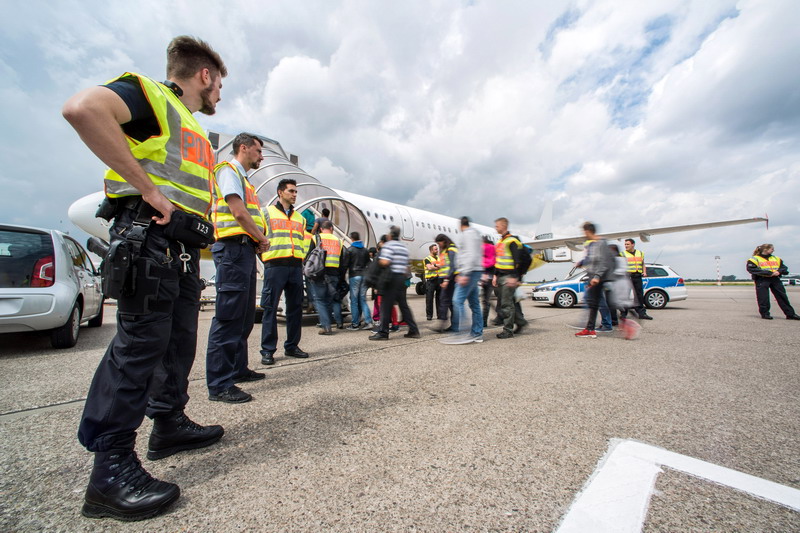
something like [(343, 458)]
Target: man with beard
[(240, 232), (158, 190)]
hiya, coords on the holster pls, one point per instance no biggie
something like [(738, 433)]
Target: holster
[(146, 276), (116, 270), (189, 229)]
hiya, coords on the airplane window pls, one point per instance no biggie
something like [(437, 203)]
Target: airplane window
[(376, 215), (429, 226), (384, 217), (391, 218), (367, 213)]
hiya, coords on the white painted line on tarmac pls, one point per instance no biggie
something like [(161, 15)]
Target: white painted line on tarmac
[(617, 495)]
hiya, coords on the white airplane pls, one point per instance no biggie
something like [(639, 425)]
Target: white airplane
[(372, 217)]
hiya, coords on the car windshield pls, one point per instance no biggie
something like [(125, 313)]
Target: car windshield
[(578, 274), (20, 253)]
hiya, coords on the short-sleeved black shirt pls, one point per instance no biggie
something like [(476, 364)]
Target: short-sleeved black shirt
[(143, 123)]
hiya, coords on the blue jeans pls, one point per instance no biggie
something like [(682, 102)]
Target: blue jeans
[(470, 293), (605, 313), (358, 300), (326, 298)]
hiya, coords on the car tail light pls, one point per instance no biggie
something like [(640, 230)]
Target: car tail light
[(680, 282), (44, 272)]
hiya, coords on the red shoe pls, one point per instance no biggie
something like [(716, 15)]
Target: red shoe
[(587, 334)]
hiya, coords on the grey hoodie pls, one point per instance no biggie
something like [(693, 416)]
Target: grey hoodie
[(470, 251)]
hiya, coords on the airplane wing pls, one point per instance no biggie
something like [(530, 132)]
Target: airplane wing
[(576, 243)]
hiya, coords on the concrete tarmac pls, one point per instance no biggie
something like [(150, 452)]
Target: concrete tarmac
[(414, 435)]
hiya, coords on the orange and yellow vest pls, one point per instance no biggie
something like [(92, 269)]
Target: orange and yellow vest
[(225, 224), (766, 263), (504, 260), (635, 261), (287, 236), (333, 249), (178, 160)]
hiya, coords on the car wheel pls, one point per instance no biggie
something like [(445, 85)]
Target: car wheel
[(67, 335), (97, 321), (656, 299), (565, 299), (420, 288)]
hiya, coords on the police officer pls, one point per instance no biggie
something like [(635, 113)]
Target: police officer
[(240, 232), (283, 273), (432, 282), (635, 260), (160, 173), (447, 276), (326, 288), (766, 270), (508, 272)]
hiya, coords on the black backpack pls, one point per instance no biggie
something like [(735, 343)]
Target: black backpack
[(525, 257)]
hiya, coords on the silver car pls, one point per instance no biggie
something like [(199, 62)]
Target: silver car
[(47, 282)]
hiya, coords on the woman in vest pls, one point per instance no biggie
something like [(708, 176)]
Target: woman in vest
[(766, 270)]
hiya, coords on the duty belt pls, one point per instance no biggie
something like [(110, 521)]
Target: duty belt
[(238, 239)]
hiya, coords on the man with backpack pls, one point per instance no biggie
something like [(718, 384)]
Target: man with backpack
[(510, 266)]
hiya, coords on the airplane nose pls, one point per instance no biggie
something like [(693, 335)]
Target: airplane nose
[(82, 211)]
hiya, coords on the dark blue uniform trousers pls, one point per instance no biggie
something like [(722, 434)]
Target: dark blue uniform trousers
[(146, 368), (235, 309), (289, 280)]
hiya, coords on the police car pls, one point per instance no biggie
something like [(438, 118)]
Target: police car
[(661, 285)]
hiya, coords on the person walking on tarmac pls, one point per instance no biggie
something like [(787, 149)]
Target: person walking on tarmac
[(240, 233), (394, 256), (508, 272), (635, 260), (283, 273), (766, 270), (326, 288), (447, 275), (158, 191), (433, 287)]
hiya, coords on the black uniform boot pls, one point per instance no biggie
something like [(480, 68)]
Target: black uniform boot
[(120, 488), (176, 433)]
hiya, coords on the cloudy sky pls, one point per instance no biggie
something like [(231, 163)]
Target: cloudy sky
[(627, 113)]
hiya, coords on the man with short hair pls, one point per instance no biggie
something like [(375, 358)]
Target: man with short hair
[(636, 270), (326, 287), (433, 282), (240, 232), (599, 265), (283, 273), (326, 213), (394, 256), (357, 259), (469, 264), (508, 273), (160, 176)]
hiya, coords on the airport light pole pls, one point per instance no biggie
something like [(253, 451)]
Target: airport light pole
[(719, 276)]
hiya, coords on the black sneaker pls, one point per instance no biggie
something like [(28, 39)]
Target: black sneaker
[(120, 488), (353, 327), (505, 335), (176, 433), (520, 327), (268, 359), (231, 395), (412, 335), (379, 337), (249, 375), (297, 352)]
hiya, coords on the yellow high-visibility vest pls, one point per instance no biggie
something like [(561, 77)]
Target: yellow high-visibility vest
[(225, 224), (504, 260), (444, 262), (333, 249), (635, 261), (179, 160), (772, 262), (287, 236), (430, 274)]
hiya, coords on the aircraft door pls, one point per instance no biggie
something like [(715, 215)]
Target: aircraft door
[(407, 223)]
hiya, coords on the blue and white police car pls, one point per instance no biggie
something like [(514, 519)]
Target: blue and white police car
[(661, 285)]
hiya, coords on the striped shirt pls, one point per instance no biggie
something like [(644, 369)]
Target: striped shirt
[(397, 254)]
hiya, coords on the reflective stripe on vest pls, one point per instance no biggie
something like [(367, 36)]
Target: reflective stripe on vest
[(179, 160), (504, 260), (444, 262), (635, 261), (287, 236), (225, 223), (430, 274), (333, 249), (772, 262)]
